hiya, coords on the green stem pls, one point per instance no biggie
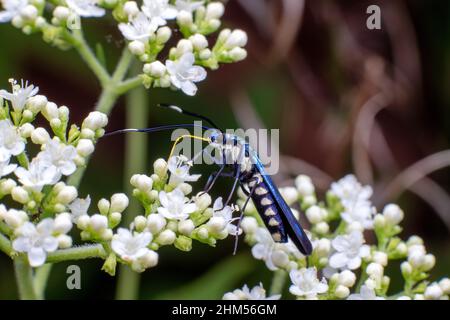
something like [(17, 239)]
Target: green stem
[(24, 278), (135, 161), (123, 65), (278, 282), (128, 84), (77, 253), (40, 279), (5, 245), (362, 277), (88, 56)]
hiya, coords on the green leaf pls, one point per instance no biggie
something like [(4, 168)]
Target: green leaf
[(221, 278)]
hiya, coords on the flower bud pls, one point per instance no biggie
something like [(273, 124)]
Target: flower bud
[(64, 241), (95, 120), (203, 201), (155, 69), (249, 225), (83, 221), (183, 46), (163, 34), (393, 214), (50, 111), (304, 185), (406, 269), (119, 202), (238, 54), (199, 41), (150, 259), (37, 103), (216, 224), (166, 237), (375, 270), (280, 258), (15, 218), (103, 206), (290, 194), (323, 247), (130, 8), (156, 223), (186, 227), (237, 38), (6, 186), (67, 195), (26, 130), (20, 195), (414, 240), (29, 13), (184, 18), (322, 227), (137, 47), (98, 222), (140, 222), (40, 136), (160, 167), (380, 258), (61, 13), (186, 188), (85, 147), (347, 278), (445, 285), (433, 292), (87, 134), (314, 214), (202, 232), (342, 292), (62, 223), (379, 221), (429, 262), (214, 10)]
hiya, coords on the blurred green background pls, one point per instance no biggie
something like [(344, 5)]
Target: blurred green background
[(311, 69)]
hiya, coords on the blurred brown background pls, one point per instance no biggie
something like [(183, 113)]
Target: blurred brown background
[(347, 100)]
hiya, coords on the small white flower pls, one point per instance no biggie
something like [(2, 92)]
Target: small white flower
[(6, 168), (183, 73), (225, 215), (306, 284), (179, 169), (433, 292), (174, 205), (11, 143), (131, 247), (139, 28), (20, 93), (304, 185), (36, 241), (365, 293), (360, 213), (159, 11), (274, 254), (188, 5), (256, 293), (38, 174), (349, 251), (350, 191), (12, 8), (86, 8), (79, 207), (60, 155)]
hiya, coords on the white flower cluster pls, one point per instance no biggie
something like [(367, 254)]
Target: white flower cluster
[(171, 217), (330, 271), (256, 293), (43, 220), (147, 30)]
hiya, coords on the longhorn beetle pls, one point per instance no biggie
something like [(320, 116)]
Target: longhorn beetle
[(248, 171)]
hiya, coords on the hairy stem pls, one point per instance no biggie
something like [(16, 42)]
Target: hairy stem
[(135, 161), (77, 253), (24, 278)]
